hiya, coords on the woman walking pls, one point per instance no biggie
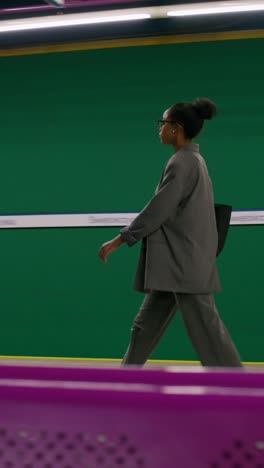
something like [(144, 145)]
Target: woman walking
[(177, 263)]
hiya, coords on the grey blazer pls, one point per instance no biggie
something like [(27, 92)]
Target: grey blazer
[(178, 230)]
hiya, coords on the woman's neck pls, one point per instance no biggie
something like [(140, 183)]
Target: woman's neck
[(180, 144)]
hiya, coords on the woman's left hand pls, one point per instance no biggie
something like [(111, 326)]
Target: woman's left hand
[(109, 247)]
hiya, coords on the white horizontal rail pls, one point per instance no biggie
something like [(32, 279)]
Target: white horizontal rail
[(100, 219)]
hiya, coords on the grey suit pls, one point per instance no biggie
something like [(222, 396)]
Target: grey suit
[(177, 262)]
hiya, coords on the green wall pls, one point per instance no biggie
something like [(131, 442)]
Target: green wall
[(79, 134)]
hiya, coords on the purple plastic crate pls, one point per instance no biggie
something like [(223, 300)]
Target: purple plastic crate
[(63, 424)]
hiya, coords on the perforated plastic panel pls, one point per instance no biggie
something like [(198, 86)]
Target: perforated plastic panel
[(28, 448), (169, 420), (241, 454)]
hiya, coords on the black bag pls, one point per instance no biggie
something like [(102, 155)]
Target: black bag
[(223, 216)]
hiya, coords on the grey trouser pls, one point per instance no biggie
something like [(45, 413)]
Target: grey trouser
[(205, 328)]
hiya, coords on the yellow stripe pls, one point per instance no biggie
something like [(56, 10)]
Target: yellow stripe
[(133, 42), (51, 358), (161, 361)]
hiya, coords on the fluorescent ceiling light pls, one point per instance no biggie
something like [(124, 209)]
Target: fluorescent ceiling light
[(59, 3), (70, 20), (131, 14), (213, 8)]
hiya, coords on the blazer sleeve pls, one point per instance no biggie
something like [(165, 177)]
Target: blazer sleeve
[(178, 180)]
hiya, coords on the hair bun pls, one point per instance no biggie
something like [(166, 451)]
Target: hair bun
[(205, 108)]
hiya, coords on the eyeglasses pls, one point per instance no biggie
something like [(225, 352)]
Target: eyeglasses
[(162, 122)]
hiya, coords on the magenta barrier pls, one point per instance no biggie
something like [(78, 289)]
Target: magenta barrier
[(129, 418)]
